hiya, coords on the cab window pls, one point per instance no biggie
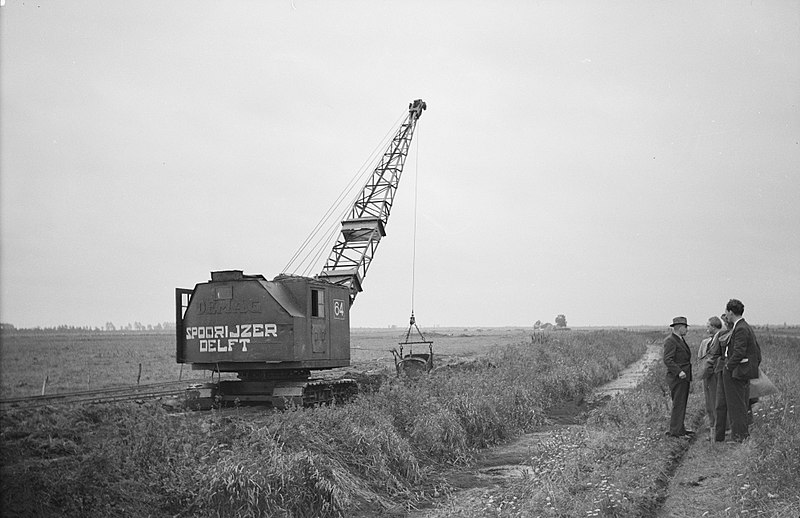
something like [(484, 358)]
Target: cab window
[(317, 303)]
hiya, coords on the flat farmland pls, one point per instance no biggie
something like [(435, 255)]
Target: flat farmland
[(82, 361), (71, 362), (412, 447)]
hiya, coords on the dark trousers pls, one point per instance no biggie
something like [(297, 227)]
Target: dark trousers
[(710, 392), (732, 403), (680, 395)]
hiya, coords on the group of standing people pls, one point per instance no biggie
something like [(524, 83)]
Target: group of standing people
[(730, 358)]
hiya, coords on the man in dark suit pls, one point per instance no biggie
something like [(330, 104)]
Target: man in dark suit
[(740, 359), (678, 359)]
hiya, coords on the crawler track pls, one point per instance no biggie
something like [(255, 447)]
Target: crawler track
[(106, 395)]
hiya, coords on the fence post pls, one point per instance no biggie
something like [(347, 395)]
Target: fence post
[(44, 383), (140, 374)]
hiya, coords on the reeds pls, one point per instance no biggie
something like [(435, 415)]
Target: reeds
[(384, 450)]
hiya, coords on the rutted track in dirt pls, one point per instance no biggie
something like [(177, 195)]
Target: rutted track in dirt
[(496, 466)]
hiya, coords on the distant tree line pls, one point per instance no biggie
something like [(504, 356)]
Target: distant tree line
[(108, 327)]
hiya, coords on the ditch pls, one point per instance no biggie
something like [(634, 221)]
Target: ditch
[(471, 488)]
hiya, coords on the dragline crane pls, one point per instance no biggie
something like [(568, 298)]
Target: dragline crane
[(273, 334)]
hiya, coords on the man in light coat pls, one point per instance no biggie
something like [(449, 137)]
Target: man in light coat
[(706, 356)]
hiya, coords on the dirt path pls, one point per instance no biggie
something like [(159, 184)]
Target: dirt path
[(700, 484), (496, 466), (698, 487)]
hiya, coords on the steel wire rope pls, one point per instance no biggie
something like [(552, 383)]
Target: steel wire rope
[(333, 228), (307, 263), (356, 194), (325, 218), (324, 246), (414, 230), (320, 243), (354, 181), (412, 320)]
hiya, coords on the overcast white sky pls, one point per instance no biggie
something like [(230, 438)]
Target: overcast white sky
[(621, 162)]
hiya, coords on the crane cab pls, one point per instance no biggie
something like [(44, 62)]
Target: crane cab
[(263, 330)]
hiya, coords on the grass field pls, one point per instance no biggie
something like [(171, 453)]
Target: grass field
[(389, 451), (73, 362), (379, 452)]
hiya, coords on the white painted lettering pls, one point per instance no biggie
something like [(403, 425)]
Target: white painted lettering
[(213, 339)]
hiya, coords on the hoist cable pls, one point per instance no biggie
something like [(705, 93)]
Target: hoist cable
[(414, 231), (312, 254), (322, 242), (330, 236), (412, 324), (334, 208), (316, 247)]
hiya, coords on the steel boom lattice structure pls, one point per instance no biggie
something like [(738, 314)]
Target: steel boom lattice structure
[(366, 224)]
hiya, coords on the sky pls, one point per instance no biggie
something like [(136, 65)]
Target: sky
[(618, 162)]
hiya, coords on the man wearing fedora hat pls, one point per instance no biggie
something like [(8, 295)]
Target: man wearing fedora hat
[(678, 359)]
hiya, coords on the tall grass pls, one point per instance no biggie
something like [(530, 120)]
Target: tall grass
[(773, 471), (384, 450), (620, 464)]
